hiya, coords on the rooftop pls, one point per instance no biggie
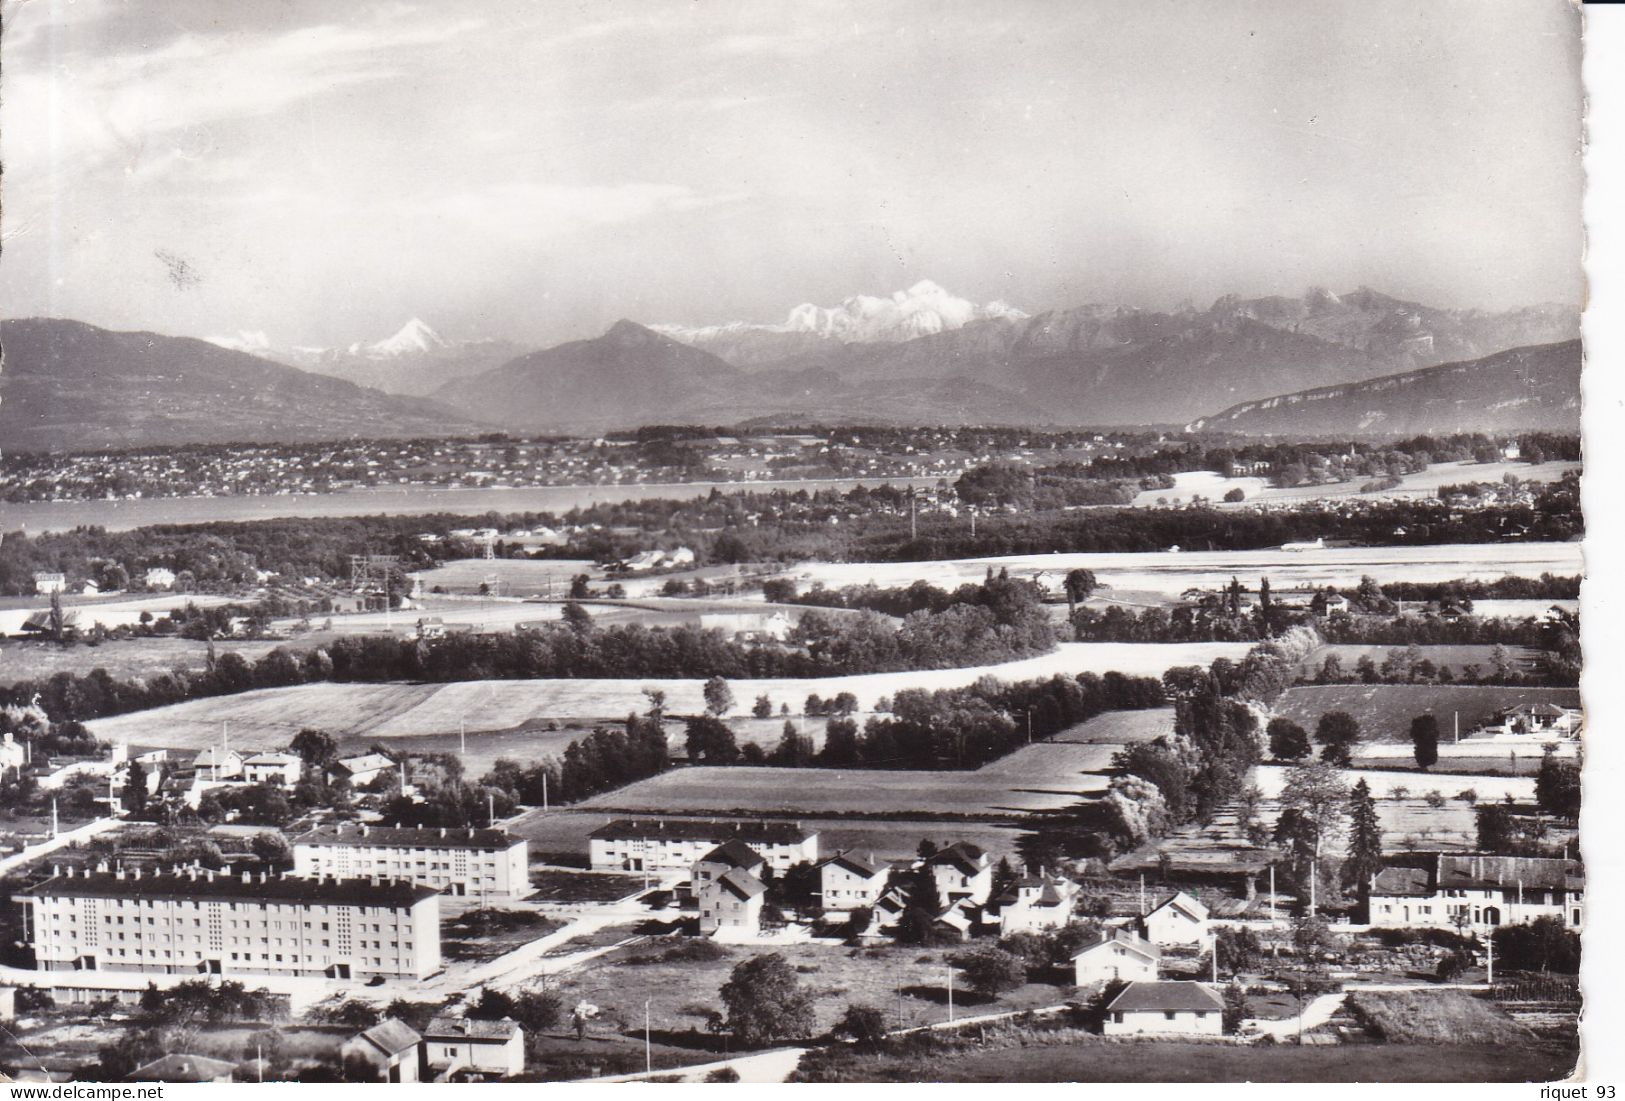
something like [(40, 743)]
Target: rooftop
[(182, 1068), (734, 852), (391, 1036), (704, 829), (400, 837), (197, 885), (1166, 997), (446, 1028)]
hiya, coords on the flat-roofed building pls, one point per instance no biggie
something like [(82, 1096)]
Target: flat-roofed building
[(677, 844), (216, 923), (477, 863)]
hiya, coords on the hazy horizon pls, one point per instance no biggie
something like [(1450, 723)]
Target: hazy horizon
[(535, 173)]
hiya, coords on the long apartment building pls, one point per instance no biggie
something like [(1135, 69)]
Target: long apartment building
[(1464, 891), (216, 923), (478, 863), (676, 844)]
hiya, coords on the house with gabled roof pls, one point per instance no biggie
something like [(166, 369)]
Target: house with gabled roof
[(1035, 903), (961, 871), (362, 770), (1179, 919), (733, 854), (1167, 1008), (732, 901), (1116, 955), (391, 1047), (458, 1046), (184, 1069), (1479, 892), (847, 881)]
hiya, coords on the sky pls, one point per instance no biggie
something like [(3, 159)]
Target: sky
[(323, 171)]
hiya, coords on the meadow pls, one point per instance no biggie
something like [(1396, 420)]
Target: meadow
[(269, 716), (1385, 711)]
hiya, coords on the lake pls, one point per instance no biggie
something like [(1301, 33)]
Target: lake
[(44, 516)]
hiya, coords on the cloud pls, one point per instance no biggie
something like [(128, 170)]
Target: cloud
[(144, 108)]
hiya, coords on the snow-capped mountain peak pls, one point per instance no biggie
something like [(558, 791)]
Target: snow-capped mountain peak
[(413, 338), (253, 342), (921, 310)]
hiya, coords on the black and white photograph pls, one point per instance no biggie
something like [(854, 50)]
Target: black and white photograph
[(794, 542)]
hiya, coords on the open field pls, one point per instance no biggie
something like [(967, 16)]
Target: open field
[(1445, 657), (119, 611), (1270, 778), (1038, 777), (1385, 711), (1213, 485), (1520, 609), (137, 657), (908, 983), (1435, 1017), (1172, 573), (270, 716), (1169, 1061)]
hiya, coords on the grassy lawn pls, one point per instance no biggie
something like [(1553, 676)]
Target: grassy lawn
[(556, 885), (1435, 1017), (138, 657), (1385, 711), (908, 984), (488, 933)]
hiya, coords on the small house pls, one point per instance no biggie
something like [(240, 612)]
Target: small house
[(184, 1069), (464, 1045), (731, 902), (283, 769), (1036, 903), (1180, 919), (390, 1047), (1168, 1008), (1116, 956), (847, 881), (160, 578), (360, 771), (731, 855), (961, 871)]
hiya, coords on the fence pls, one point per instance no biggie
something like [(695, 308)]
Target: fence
[(1534, 987)]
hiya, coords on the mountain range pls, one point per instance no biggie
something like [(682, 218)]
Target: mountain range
[(414, 360), (66, 384), (1522, 388), (920, 356)]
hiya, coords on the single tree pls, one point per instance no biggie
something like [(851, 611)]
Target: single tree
[(991, 971), (719, 698), (1557, 787), (134, 796), (1078, 585), (316, 748), (1365, 840), (863, 1024), (766, 1002), (576, 617), (1337, 732), (1288, 740), (762, 708), (1425, 741), (1316, 793)]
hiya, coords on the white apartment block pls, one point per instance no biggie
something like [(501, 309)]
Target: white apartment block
[(215, 923), (477, 863), (677, 844), (1472, 893)]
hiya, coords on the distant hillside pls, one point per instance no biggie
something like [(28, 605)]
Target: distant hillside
[(1525, 388), (66, 384)]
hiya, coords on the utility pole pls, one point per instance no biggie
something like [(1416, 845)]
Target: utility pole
[(1272, 894), (648, 1054), (462, 736), (1029, 726), (544, 789), (1456, 718), (913, 522), (1489, 963), (491, 809), (950, 993), (1142, 894)]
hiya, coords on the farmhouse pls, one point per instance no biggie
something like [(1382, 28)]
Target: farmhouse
[(1536, 720), (482, 863), (675, 844), (1180, 919), (1170, 1008), (390, 1047), (847, 881), (1479, 892), (460, 1045), (962, 871), (1116, 956), (193, 921)]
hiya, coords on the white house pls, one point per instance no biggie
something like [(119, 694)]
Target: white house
[(13, 754), (459, 1045), (733, 901), (961, 871), (1168, 1008), (1179, 920), (1477, 893), (390, 1047), (215, 763), (675, 844), (847, 881), (731, 855), (47, 583), (362, 770), (751, 626), (1116, 956), (273, 768), (1536, 721), (1035, 903), (160, 578)]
